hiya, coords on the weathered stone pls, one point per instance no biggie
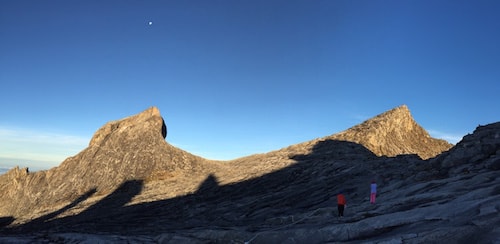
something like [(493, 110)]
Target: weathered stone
[(131, 148), (130, 185), (393, 133)]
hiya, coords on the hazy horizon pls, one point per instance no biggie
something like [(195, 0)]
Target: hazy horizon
[(33, 165)]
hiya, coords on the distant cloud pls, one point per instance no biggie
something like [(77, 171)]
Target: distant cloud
[(28, 144), (453, 138)]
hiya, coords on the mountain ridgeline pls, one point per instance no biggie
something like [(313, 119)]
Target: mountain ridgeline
[(130, 182), (393, 133)]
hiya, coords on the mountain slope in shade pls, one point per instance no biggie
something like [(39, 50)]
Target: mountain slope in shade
[(135, 148), (130, 148), (392, 133), (152, 192)]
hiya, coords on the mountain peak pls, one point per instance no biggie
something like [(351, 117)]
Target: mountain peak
[(399, 117), (402, 107), (149, 119), (399, 112), (392, 133), (130, 184), (130, 148)]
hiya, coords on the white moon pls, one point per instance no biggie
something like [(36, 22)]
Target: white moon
[(150, 22)]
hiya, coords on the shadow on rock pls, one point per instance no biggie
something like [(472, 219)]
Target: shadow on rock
[(109, 204), (5, 221), (44, 221), (252, 205)]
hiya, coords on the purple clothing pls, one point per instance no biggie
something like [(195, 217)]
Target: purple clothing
[(373, 193)]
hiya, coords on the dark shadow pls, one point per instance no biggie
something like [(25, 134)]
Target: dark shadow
[(163, 129), (116, 200), (5, 221), (209, 185), (106, 207), (41, 221), (334, 149), (250, 205), (208, 189)]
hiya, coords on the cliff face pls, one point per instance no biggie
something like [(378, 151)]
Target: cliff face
[(393, 133), (130, 148)]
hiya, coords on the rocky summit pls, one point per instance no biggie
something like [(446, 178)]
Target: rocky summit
[(130, 185), (393, 133), (128, 149)]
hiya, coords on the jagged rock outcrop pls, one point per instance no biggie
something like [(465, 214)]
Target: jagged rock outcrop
[(392, 133), (284, 196), (135, 148), (130, 148), (147, 121), (476, 152)]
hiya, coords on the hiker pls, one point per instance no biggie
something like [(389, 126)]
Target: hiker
[(341, 204), (373, 192)]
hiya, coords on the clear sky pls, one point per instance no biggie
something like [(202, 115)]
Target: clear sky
[(238, 77)]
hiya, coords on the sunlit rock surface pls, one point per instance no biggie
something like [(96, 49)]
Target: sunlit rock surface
[(130, 185)]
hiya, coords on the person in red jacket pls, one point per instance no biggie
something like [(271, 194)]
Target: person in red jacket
[(341, 204)]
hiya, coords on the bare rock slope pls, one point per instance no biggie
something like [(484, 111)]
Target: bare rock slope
[(393, 133), (155, 193), (131, 148)]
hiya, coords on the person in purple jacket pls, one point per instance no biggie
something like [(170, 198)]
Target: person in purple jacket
[(373, 192)]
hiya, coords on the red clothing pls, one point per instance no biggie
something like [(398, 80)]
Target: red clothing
[(340, 199)]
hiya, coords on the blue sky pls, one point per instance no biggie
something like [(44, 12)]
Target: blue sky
[(234, 78)]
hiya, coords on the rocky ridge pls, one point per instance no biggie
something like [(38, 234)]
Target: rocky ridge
[(281, 196), (131, 148), (393, 133)]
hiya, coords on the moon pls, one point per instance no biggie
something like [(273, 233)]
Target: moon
[(150, 23)]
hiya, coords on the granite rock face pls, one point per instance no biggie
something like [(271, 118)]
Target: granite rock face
[(155, 193), (393, 133), (131, 148)]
